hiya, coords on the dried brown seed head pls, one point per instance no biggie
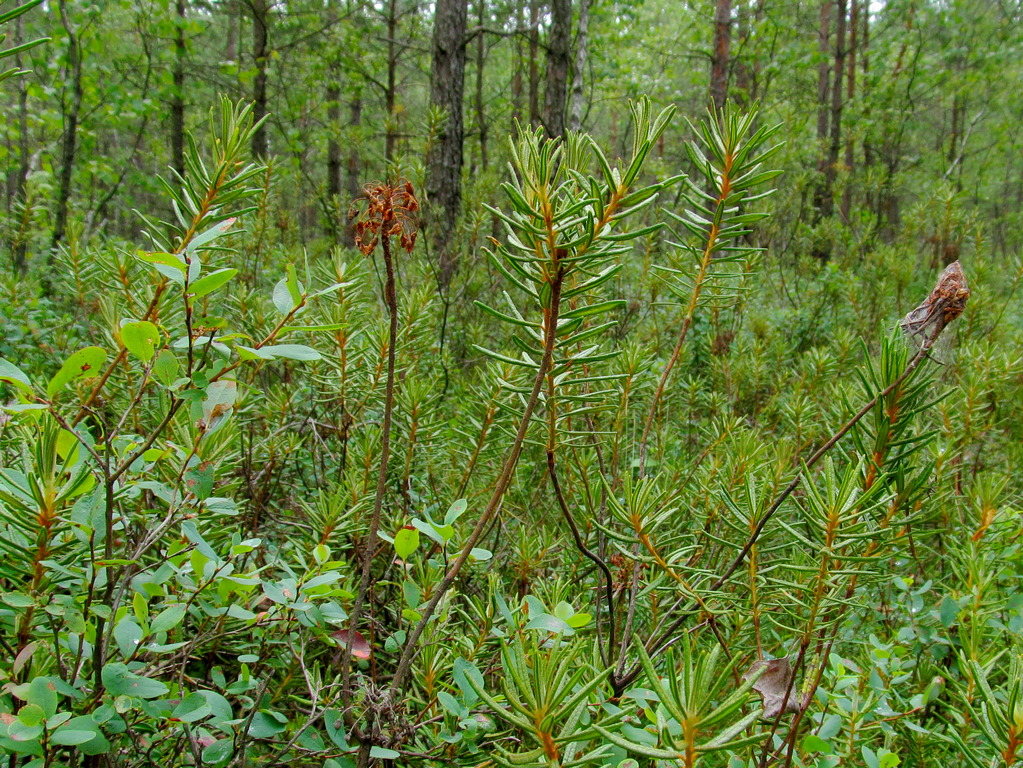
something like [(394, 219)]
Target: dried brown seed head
[(944, 304)]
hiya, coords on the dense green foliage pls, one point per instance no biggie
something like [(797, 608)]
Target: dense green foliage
[(653, 478)]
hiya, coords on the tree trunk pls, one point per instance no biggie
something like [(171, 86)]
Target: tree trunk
[(559, 45), (719, 59), (821, 196), (582, 60), (520, 66), (744, 83), (391, 89), (231, 41), (444, 160), (260, 53), (956, 124), (534, 61), (481, 56), (69, 141), (354, 166), (334, 157), (334, 160), (835, 127), (177, 107), (850, 93), (823, 72), (18, 191)]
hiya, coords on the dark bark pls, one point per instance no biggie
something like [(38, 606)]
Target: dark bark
[(231, 43), (837, 102), (534, 61), (444, 160), (391, 89), (582, 60), (354, 166), (69, 141), (823, 74), (850, 93), (559, 48), (744, 82), (177, 107), (869, 155), (19, 189), (335, 161), (334, 158), (481, 58), (822, 196), (520, 66), (260, 55), (720, 56), (957, 126)]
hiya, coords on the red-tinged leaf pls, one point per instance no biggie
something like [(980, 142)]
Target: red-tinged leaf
[(360, 648)]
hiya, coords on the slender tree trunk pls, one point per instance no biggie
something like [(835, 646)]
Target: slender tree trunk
[(520, 66), (18, 191), (177, 107), (835, 127), (534, 61), (743, 80), (719, 59), (260, 54), (582, 59), (391, 90), (821, 195), (889, 149), (850, 94), (354, 166), (481, 60), (15, 175), (559, 48), (24, 152), (231, 41), (334, 158), (823, 72), (758, 17), (444, 161), (868, 146), (958, 127), (69, 141)]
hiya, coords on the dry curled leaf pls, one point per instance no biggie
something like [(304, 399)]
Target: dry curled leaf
[(360, 648), (944, 304), (775, 686)]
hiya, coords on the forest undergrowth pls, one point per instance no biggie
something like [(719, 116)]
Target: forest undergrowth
[(630, 491)]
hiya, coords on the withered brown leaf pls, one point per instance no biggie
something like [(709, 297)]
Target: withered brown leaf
[(773, 684), (944, 304)]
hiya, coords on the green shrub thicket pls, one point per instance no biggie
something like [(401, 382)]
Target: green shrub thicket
[(260, 507)]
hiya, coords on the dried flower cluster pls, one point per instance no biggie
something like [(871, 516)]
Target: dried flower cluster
[(944, 304), (391, 210)]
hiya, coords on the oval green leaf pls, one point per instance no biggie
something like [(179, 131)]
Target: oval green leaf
[(121, 681), (141, 339), (211, 282), (84, 362), (168, 618), (292, 351), (406, 541), (14, 375)]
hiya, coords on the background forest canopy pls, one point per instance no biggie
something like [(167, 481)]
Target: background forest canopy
[(886, 107), (514, 382)]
